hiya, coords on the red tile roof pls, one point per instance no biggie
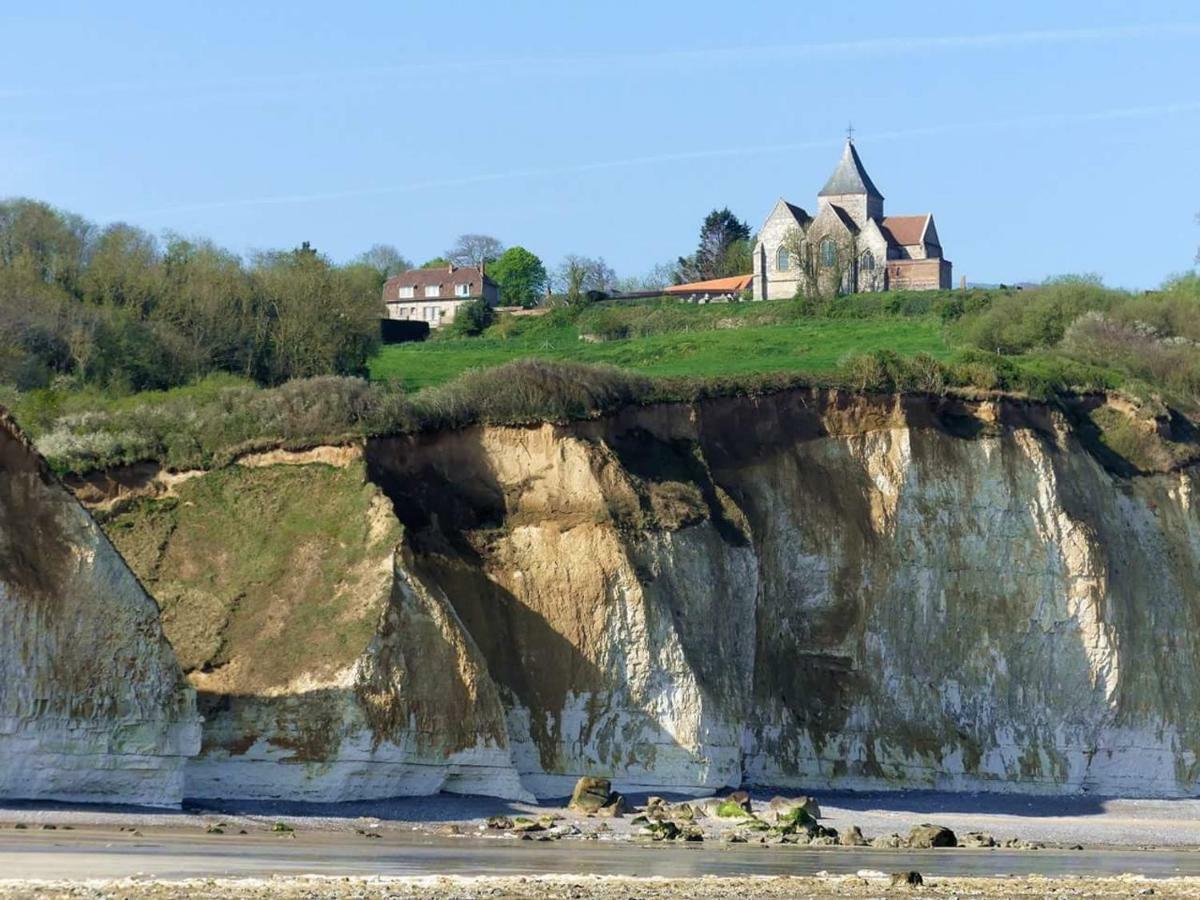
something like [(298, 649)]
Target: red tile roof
[(905, 230), (733, 283)]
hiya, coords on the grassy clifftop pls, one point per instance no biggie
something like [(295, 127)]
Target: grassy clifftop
[(700, 345)]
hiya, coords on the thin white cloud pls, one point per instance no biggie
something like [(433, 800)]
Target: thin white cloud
[(581, 62), (1056, 118)]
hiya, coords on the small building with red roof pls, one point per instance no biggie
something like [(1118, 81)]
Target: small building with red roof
[(715, 290)]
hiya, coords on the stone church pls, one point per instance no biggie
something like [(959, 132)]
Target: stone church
[(849, 245)]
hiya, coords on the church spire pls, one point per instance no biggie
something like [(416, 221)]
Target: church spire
[(850, 177)]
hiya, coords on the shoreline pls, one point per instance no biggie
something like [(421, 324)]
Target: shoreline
[(1053, 822)]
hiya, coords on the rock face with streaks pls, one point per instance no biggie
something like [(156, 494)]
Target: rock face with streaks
[(93, 706), (802, 589), (819, 589)]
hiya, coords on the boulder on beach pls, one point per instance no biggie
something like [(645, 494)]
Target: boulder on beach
[(852, 837), (590, 794), (926, 836)]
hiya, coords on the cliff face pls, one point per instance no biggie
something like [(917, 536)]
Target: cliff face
[(326, 670), (804, 589), (92, 703), (811, 589)]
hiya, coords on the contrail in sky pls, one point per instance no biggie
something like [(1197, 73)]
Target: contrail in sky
[(745, 55), (1135, 112)]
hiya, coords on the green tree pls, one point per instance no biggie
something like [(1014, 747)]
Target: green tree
[(123, 270), (521, 276), (438, 262), (209, 299), (724, 249), (47, 243), (320, 319)]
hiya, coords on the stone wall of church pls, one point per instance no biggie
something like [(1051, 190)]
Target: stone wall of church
[(859, 206), (780, 285)]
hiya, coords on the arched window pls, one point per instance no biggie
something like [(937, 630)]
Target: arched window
[(868, 261), (828, 253), (783, 259)]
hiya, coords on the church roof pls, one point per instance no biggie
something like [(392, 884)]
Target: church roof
[(905, 230), (797, 211), (850, 177), (847, 219)]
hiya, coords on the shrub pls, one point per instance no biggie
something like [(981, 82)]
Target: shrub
[(526, 391), (473, 318), (1016, 322)]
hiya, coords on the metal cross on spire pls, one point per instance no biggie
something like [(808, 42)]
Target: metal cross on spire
[(850, 132)]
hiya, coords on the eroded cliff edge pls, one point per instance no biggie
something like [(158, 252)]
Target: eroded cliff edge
[(326, 668), (805, 588), (93, 706)]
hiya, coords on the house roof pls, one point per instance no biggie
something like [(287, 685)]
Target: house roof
[(850, 177), (905, 230), (445, 276), (733, 283), (440, 275)]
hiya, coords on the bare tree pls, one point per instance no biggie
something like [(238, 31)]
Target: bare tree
[(474, 250), (827, 263), (386, 260), (577, 276)]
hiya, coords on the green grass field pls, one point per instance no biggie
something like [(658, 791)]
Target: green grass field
[(808, 345)]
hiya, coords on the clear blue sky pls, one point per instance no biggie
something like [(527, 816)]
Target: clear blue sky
[(1047, 137)]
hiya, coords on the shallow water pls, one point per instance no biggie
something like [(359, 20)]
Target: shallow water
[(98, 855)]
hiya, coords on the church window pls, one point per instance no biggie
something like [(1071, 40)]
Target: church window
[(828, 253), (868, 261), (783, 259)]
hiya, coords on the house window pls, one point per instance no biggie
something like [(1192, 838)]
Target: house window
[(828, 253), (433, 290), (431, 313), (783, 259), (406, 291), (462, 290), (868, 261)]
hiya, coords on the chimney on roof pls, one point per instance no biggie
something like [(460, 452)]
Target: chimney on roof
[(482, 263), (451, 268)]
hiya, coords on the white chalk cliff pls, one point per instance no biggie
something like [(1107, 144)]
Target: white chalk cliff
[(801, 589), (93, 706)]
